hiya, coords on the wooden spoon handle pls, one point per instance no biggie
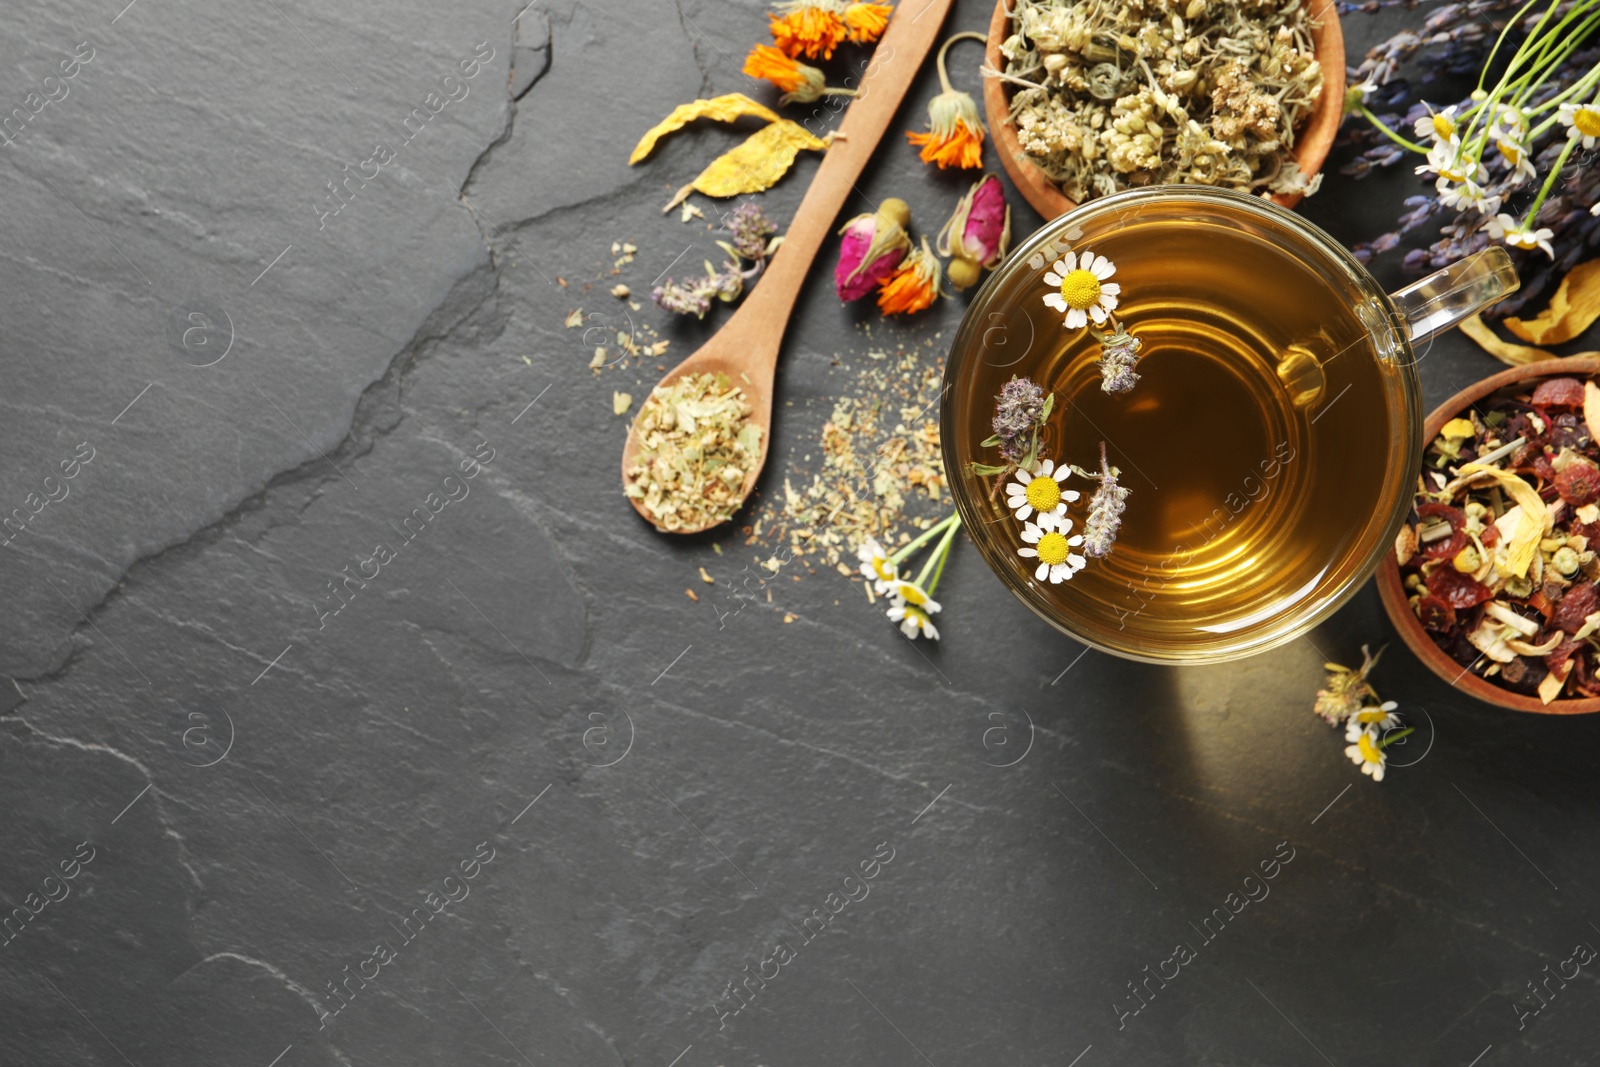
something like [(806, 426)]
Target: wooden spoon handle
[(906, 42)]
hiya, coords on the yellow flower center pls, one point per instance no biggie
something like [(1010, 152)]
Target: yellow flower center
[(1053, 548), (912, 595), (1586, 120), (1080, 289), (1512, 154), (1369, 751), (1372, 715), (1453, 175), (881, 566), (1044, 493), (1444, 126)]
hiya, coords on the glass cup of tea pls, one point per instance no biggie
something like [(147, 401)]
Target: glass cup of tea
[(1271, 444)]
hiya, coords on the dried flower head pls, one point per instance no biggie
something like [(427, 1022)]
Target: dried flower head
[(801, 84), (872, 246), (1346, 691), (1119, 354), (914, 285), (1019, 411), (955, 133), (1105, 510), (864, 23), (978, 234), (752, 231), (810, 28)]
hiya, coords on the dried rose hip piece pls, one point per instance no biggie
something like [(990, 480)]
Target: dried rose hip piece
[(1559, 655), (1543, 468), (1579, 482), (1445, 547), (1577, 604), (1558, 393), (1490, 536), (1435, 614), (1456, 589)]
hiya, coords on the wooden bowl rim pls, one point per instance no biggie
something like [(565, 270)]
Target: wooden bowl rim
[(1393, 595), (1311, 149)]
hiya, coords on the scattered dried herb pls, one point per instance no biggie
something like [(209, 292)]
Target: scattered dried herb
[(695, 447), (1145, 92)]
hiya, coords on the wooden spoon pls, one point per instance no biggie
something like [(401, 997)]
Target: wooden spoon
[(746, 347)]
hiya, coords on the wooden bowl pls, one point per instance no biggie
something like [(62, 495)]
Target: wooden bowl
[(1311, 147), (1388, 576)]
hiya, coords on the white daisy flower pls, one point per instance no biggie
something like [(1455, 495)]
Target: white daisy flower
[(1505, 228), (1375, 720), (1053, 550), (1439, 126), (1582, 121), (1467, 194), (876, 566), (911, 593), (913, 621), (1515, 153), (1041, 491), (1358, 94), (1366, 754), (1508, 121), (1083, 292), (1446, 160)]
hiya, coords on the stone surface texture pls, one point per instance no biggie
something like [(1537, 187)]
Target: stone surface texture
[(574, 804)]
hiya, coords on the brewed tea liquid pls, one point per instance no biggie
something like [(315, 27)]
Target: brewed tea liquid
[(1255, 442)]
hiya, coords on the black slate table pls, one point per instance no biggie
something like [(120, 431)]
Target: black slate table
[(276, 276)]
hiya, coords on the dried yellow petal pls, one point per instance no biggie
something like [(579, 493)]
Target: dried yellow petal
[(755, 165), (1523, 542), (1506, 352), (575, 318), (1457, 429), (1571, 311), (725, 108)]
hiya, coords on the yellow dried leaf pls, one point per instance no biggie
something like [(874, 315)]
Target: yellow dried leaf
[(1458, 429), (1504, 351), (725, 108), (755, 165), (1523, 541), (1571, 311)]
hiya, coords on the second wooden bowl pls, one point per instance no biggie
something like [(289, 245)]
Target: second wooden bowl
[(1388, 576)]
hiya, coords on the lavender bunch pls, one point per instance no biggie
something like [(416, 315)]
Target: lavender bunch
[(753, 239), (1484, 149)]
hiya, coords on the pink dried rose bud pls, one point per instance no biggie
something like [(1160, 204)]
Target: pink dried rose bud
[(872, 247), (978, 234)]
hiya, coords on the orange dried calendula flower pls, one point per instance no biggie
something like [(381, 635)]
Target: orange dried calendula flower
[(955, 133), (810, 28), (864, 23), (801, 84), (915, 285)]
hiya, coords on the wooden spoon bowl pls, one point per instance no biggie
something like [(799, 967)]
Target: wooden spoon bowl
[(746, 347), (1310, 150), (1388, 577)]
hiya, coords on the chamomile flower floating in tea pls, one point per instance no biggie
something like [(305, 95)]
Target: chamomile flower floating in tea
[(1040, 491), (955, 133), (1053, 549), (1081, 289)]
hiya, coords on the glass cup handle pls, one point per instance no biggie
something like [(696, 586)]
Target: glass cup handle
[(1444, 298)]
